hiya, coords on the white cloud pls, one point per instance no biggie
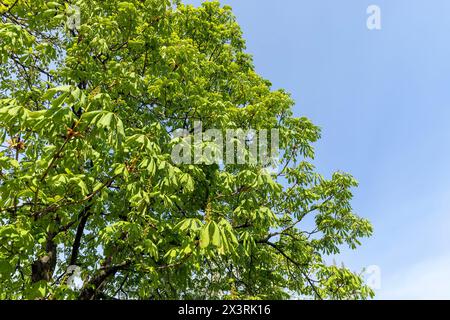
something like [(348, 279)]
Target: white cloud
[(428, 279)]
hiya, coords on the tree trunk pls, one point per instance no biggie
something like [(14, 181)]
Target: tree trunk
[(43, 267)]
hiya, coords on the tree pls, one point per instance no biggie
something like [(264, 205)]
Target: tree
[(87, 181)]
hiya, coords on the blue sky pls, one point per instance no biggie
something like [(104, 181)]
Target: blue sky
[(382, 98)]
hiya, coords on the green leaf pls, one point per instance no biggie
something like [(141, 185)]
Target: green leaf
[(105, 120), (205, 236), (51, 92), (215, 234)]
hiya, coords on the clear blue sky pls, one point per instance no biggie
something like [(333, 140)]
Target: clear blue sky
[(382, 99)]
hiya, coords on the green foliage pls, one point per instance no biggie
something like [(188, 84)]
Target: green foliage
[(86, 179)]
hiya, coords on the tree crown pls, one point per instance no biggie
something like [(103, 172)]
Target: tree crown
[(88, 108)]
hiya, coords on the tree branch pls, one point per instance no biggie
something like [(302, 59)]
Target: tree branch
[(298, 265), (79, 234), (91, 290)]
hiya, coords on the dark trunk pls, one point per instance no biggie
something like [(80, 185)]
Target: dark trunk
[(43, 267)]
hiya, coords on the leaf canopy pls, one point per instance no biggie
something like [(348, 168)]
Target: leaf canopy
[(87, 114)]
